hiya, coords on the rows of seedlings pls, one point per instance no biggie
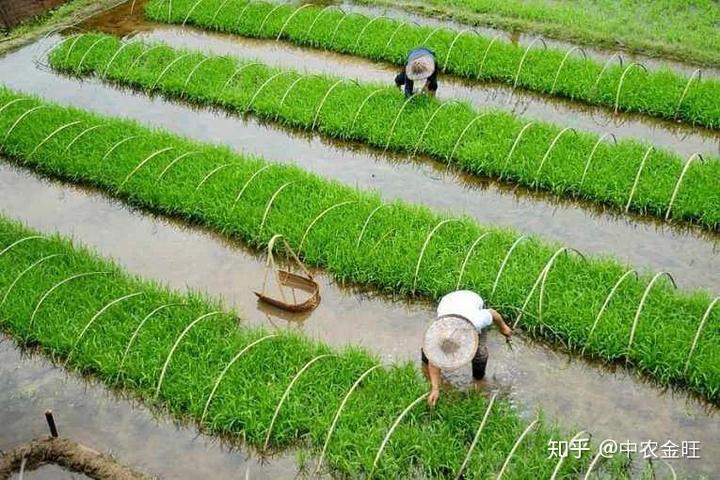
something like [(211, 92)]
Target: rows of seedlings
[(596, 306), (621, 87), (185, 354), (627, 175)]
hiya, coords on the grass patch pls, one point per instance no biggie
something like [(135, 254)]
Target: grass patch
[(488, 143), (395, 247), (627, 88)]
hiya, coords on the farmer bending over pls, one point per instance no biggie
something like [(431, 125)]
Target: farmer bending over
[(457, 336), (420, 66)]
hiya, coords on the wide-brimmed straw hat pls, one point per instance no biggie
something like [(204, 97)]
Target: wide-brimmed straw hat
[(420, 68), (450, 341)]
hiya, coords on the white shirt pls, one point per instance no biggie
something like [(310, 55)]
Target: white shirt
[(466, 304)]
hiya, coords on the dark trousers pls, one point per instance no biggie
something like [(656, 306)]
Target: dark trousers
[(479, 361), (401, 79)]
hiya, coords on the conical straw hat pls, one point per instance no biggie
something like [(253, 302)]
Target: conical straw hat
[(450, 341), (420, 68)]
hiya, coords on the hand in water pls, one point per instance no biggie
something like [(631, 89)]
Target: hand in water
[(433, 398)]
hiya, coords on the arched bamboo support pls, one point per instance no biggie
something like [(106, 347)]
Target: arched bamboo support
[(242, 13), (592, 154), (55, 31), (59, 284), (373, 20), (476, 437), (87, 52), (190, 12), (392, 36), (23, 273), (514, 146), (697, 72), (522, 60), (249, 181), (429, 122), (367, 221), (430, 35), (485, 55), (318, 217), (462, 135), (175, 345), (142, 55), (83, 133), (292, 15), (320, 14), (605, 67), (362, 105), (425, 245), (392, 430), (117, 144), (552, 145), (22, 117), (176, 160), (22, 240), (452, 45), (637, 178), (136, 332), (622, 80), (286, 394), (467, 258), (115, 55), (270, 202), (541, 278), (141, 164), (562, 457), (344, 401), (292, 85), (52, 134), (679, 182), (195, 69), (395, 122), (322, 102), (212, 173), (13, 102), (643, 299), (265, 84), (515, 447), (92, 320), (670, 467), (704, 318), (510, 251), (340, 22), (217, 12), (77, 37), (269, 14), (226, 369), (237, 72), (167, 69), (606, 303), (562, 64)]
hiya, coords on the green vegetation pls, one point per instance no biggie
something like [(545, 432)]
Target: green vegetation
[(628, 88), (93, 317), (395, 247), (496, 144), (686, 31)]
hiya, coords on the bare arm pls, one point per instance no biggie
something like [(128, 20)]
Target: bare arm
[(499, 321), (435, 380)]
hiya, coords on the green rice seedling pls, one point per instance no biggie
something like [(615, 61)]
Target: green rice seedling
[(663, 93), (626, 175), (88, 324), (396, 247)]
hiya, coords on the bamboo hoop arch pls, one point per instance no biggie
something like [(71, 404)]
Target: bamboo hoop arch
[(321, 215), (670, 467), (322, 12), (273, 10), (562, 64), (552, 145), (430, 35), (639, 310), (192, 9), (467, 258), (395, 122), (92, 320), (337, 26), (122, 47), (622, 80), (592, 464), (322, 102), (545, 276), (697, 72), (52, 134), (75, 37), (195, 69), (515, 447), (522, 60), (345, 399), (226, 369), (373, 20), (562, 457), (83, 133), (176, 160), (704, 318), (175, 345), (236, 73), (514, 146), (22, 117), (605, 67), (637, 177), (452, 45), (167, 69), (429, 122), (142, 54), (293, 84), (270, 202), (217, 12), (462, 135), (245, 9), (592, 154), (13, 102), (22, 240), (22, 274), (265, 84), (367, 221), (362, 105), (485, 55), (476, 437), (213, 172), (286, 393), (401, 24), (249, 180), (679, 182), (292, 15), (59, 284), (392, 430), (510, 251), (117, 144), (87, 52), (142, 163), (425, 245)]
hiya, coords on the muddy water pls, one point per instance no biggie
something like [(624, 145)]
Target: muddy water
[(610, 404), (691, 257), (681, 138)]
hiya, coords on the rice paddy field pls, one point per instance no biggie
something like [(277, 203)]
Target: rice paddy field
[(153, 154)]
